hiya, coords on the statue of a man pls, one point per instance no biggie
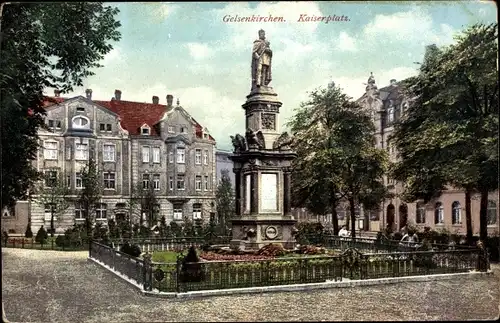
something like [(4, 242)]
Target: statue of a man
[(261, 61)]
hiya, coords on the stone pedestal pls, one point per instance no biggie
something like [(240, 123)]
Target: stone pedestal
[(262, 173)]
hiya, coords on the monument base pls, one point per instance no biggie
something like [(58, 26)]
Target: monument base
[(255, 232)]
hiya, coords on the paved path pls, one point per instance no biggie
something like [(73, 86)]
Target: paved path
[(52, 286)]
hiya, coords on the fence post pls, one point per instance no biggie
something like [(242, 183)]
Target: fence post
[(90, 248), (148, 284), (178, 264)]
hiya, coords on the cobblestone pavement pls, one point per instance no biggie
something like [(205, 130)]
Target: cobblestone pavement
[(52, 286)]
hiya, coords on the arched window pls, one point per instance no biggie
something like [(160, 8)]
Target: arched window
[(456, 213), (492, 212), (80, 122), (439, 213), (420, 218)]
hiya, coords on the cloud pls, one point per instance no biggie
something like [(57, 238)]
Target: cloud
[(346, 43), (412, 26), (113, 57), (161, 11), (199, 51)]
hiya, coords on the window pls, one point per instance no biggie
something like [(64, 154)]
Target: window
[(492, 212), (205, 157), (51, 178), (171, 157), (197, 183), (108, 153), (50, 149), (81, 151), (156, 181), (177, 211), (183, 129), (391, 114), (196, 211), (145, 154), (145, 181), (438, 213), (156, 155), (420, 213), (145, 130), (80, 109), (49, 208), (100, 211), (79, 211), (206, 183), (373, 215), (171, 129), (78, 180), (55, 124), (197, 157), (171, 183), (68, 181), (180, 182), (105, 127), (456, 216), (109, 181), (205, 136), (80, 122), (181, 155)]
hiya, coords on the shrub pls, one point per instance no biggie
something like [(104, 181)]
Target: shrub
[(272, 250), (28, 233), (311, 250), (63, 241), (12, 231), (191, 269), (131, 250), (41, 235), (397, 236)]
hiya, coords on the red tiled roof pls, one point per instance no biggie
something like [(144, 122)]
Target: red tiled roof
[(133, 114)]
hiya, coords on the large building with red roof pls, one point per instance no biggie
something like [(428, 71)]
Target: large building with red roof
[(136, 146)]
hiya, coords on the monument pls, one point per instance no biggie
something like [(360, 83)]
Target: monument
[(262, 163)]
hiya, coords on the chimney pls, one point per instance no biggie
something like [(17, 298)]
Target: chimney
[(88, 93), (156, 99), (57, 93), (118, 95), (393, 82), (170, 100)]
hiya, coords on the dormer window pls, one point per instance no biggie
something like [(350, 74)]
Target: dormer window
[(183, 129), (55, 124), (80, 122), (171, 129), (145, 130), (80, 109)]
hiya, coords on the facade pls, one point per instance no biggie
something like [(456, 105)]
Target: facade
[(386, 106), (223, 162), (135, 145)]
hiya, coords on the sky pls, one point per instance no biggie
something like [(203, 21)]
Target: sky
[(189, 51)]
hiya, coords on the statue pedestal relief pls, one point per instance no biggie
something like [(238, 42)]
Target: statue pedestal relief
[(262, 160)]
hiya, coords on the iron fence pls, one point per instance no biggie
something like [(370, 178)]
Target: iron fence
[(49, 244), (180, 276)]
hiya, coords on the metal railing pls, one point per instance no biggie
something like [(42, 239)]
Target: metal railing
[(180, 276), (170, 244), (49, 244)]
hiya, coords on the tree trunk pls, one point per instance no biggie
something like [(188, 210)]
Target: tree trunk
[(353, 217), (468, 215), (483, 216), (335, 220), (52, 224)]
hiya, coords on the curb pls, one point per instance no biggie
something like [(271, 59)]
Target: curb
[(346, 283)]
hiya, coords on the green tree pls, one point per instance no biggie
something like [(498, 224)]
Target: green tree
[(333, 138), (144, 203), (450, 133), (43, 45), (53, 192), (90, 194), (224, 199)]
